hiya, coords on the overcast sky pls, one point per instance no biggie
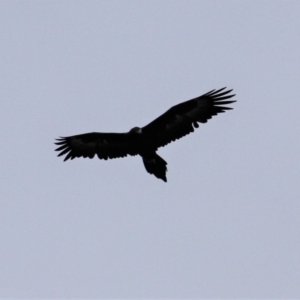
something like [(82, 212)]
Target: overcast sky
[(227, 223)]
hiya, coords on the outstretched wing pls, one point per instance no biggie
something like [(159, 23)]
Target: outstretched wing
[(181, 119), (105, 145)]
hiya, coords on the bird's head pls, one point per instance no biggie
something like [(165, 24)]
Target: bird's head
[(136, 130)]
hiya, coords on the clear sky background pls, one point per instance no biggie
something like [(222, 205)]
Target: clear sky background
[(227, 223)]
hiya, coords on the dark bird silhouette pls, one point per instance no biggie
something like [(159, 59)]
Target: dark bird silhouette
[(174, 124)]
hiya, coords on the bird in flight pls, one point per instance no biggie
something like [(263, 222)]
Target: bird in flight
[(174, 124)]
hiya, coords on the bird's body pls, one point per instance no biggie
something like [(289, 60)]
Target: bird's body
[(177, 122)]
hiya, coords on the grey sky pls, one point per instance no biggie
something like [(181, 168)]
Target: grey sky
[(227, 222)]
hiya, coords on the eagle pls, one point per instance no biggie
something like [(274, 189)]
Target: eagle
[(177, 122)]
